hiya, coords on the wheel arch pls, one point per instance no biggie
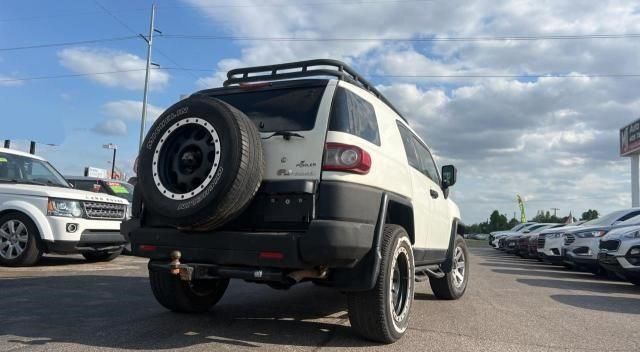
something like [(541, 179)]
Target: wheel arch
[(398, 211), (33, 213)]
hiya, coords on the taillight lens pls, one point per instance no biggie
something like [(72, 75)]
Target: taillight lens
[(347, 158)]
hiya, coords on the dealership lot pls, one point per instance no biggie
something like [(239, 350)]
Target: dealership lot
[(511, 305)]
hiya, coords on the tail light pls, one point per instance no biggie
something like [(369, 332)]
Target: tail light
[(347, 158)]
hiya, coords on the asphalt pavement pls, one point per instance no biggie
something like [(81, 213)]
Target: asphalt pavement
[(66, 304)]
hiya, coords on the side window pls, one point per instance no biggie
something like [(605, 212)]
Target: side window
[(629, 216), (354, 115), (87, 186), (409, 148), (428, 165)]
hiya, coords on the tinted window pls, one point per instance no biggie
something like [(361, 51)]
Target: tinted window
[(354, 115), (409, 148), (428, 166), (90, 186), (285, 109)]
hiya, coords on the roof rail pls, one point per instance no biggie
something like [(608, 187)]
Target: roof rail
[(325, 67)]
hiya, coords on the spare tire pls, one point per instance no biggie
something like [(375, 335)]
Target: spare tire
[(201, 164)]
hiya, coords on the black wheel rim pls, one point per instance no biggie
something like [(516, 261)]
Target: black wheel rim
[(400, 283), (185, 159)]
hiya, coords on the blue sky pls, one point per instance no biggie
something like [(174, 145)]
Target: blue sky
[(64, 111), (552, 140)]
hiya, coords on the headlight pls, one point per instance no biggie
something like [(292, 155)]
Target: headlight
[(129, 212), (554, 235), (64, 207), (632, 235), (590, 234)]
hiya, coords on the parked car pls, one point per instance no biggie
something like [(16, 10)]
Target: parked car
[(116, 188), (550, 242), (480, 236), (494, 234), (529, 238), (296, 180), (620, 253), (510, 241), (582, 244), (499, 237), (41, 213)]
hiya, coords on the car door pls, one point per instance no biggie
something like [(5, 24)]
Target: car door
[(439, 216), (420, 196)]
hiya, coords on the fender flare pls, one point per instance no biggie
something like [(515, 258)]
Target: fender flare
[(448, 262), (35, 214)]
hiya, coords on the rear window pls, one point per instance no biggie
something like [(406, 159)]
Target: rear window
[(354, 115), (284, 109)]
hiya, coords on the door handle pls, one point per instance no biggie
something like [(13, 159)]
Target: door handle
[(434, 194)]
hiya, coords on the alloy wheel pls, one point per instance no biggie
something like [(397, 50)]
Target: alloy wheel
[(13, 239)]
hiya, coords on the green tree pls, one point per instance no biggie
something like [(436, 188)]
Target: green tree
[(590, 215)]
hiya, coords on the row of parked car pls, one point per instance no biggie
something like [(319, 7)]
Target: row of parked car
[(609, 245)]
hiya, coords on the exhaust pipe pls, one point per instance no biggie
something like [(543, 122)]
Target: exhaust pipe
[(299, 275)]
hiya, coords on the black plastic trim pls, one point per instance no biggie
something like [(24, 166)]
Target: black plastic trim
[(448, 263)]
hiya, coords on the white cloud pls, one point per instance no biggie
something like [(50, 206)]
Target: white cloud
[(90, 60), (130, 110), (553, 139), (110, 127)]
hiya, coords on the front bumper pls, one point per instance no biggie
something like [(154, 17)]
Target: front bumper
[(619, 265), (327, 243), (90, 241), (60, 230), (582, 252)]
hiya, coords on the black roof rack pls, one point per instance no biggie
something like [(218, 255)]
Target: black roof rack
[(326, 67)]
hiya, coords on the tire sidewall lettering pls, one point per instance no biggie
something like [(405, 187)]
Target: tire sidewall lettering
[(159, 129), (200, 197)]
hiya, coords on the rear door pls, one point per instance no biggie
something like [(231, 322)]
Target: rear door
[(299, 108)]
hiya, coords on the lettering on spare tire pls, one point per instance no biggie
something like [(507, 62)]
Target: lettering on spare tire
[(193, 202), (163, 124)]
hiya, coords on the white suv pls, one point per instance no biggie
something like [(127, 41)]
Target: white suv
[(40, 213), (620, 253), (282, 177)]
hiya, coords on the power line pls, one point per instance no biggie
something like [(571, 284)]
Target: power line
[(72, 75), (115, 17), (547, 75), (80, 42), (429, 39)]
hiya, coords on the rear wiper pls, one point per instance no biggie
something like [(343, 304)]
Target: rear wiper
[(286, 135)]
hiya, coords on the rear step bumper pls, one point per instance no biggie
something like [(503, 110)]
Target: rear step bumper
[(329, 243)]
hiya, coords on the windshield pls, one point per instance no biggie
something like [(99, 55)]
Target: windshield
[(632, 221), (518, 227), (26, 170), (608, 219), (284, 109), (121, 189)]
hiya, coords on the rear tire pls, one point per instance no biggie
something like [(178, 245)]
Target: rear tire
[(454, 283), (197, 296), (382, 314), (101, 256), (18, 240)]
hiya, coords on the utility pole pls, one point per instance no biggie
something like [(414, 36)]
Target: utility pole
[(555, 211), (149, 41)]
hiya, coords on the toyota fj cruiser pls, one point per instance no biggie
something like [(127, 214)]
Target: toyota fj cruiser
[(296, 172)]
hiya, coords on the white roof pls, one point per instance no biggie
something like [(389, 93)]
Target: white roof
[(17, 152)]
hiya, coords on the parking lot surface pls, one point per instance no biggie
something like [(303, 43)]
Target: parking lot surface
[(510, 305)]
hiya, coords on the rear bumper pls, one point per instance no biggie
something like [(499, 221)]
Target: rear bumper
[(328, 243)]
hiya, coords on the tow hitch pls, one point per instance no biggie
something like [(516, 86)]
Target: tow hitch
[(185, 271)]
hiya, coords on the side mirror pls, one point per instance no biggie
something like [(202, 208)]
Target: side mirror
[(449, 174), (526, 231)]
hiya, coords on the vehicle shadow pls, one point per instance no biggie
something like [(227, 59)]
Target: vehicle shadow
[(524, 266), (121, 312), (552, 274), (60, 261), (601, 303), (597, 287)]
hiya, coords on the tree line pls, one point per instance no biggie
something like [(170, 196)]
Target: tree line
[(500, 222)]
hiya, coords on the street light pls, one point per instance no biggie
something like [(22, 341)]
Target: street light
[(113, 163)]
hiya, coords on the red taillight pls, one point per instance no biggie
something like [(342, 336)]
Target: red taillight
[(345, 157), (147, 248), (271, 255)]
